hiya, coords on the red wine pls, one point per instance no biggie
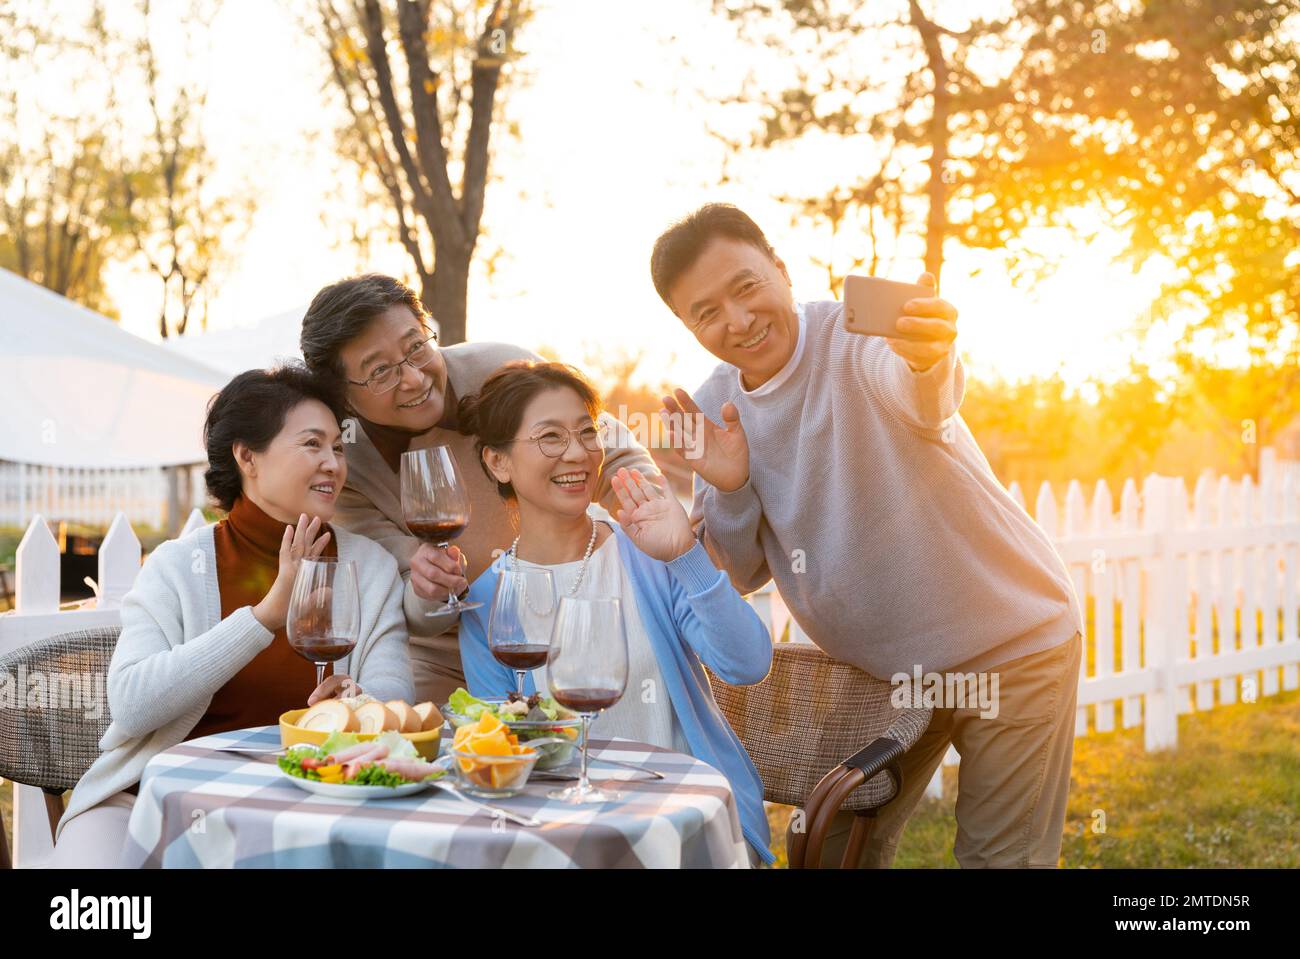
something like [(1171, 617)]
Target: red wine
[(521, 655), (587, 700), (321, 648), (435, 531)]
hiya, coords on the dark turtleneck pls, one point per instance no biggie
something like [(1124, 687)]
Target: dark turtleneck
[(248, 559)]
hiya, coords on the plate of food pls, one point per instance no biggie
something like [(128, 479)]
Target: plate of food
[(345, 766), (366, 718), (537, 720)]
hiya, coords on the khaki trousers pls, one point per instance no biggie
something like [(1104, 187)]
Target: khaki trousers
[(1014, 775), (436, 671)]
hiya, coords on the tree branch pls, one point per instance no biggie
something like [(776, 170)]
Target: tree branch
[(485, 76), (374, 30), (412, 19)]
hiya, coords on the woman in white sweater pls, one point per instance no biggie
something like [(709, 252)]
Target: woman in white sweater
[(203, 646)]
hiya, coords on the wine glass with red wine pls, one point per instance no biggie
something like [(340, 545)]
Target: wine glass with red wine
[(519, 626), (435, 504), (587, 672), (324, 612)]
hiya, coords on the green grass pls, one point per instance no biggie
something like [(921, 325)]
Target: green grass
[(1228, 796)]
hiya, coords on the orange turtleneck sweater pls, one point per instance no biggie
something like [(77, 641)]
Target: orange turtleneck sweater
[(248, 559)]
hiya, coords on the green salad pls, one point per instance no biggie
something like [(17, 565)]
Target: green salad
[(308, 762), (516, 708)]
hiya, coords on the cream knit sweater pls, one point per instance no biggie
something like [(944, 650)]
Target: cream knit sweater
[(175, 652), (872, 507)]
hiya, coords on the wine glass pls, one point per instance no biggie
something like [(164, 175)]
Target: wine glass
[(324, 612), (521, 594), (587, 672), (435, 504)]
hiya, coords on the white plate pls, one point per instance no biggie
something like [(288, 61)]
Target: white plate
[(344, 791)]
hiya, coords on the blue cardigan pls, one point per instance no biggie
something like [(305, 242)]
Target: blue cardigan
[(692, 614)]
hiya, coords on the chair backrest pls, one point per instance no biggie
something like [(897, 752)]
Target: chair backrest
[(50, 733), (809, 715)]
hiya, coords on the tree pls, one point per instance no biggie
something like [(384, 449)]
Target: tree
[(127, 176), (419, 85), (57, 222), (182, 229), (1179, 123), (903, 105)]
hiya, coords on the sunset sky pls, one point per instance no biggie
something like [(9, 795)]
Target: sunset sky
[(613, 145)]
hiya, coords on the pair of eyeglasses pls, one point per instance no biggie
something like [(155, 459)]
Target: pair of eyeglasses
[(555, 441), (386, 378)]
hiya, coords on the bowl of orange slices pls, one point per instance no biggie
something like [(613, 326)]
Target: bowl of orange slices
[(489, 760)]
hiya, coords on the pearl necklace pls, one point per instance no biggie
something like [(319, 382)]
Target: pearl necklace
[(582, 570)]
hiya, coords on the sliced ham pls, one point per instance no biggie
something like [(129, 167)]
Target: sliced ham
[(413, 769), (343, 755), (355, 764)]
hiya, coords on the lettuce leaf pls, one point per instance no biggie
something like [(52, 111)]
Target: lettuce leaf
[(398, 746), (466, 705), (291, 762), (374, 775), (338, 741)]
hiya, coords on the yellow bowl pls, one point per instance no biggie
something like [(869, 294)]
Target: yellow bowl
[(426, 743)]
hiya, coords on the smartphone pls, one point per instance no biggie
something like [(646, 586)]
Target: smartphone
[(872, 306)]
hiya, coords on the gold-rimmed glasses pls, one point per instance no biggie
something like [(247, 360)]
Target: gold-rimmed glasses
[(387, 377)]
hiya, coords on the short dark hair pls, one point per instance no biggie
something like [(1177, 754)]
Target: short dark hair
[(251, 409), (341, 311), (680, 245), (493, 414)]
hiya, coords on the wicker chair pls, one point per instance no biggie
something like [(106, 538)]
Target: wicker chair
[(53, 747), (824, 736)]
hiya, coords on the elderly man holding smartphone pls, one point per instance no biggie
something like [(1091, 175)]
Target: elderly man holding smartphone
[(837, 465)]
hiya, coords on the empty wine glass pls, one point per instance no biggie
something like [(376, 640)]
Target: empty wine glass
[(324, 617), (587, 672), (523, 596), (435, 504)]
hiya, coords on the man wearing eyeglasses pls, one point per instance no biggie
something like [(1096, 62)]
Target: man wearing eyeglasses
[(369, 335)]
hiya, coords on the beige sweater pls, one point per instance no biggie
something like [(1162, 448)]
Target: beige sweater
[(371, 501)]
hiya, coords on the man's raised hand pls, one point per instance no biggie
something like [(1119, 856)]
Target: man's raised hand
[(720, 454), (933, 318)]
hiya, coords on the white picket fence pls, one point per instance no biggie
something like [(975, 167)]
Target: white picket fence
[(89, 496), (37, 615)]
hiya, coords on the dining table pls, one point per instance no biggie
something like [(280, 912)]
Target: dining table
[(201, 805)]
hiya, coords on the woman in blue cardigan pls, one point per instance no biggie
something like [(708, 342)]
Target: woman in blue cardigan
[(538, 439)]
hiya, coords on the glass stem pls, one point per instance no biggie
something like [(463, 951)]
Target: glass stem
[(519, 681), (320, 674), (583, 784), (452, 601)]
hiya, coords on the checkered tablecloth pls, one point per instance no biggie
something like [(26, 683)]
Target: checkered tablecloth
[(200, 808)]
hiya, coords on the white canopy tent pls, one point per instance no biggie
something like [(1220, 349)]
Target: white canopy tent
[(86, 407), (78, 390), (269, 343)]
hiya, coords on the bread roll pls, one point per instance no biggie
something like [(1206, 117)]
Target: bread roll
[(376, 718), (430, 717), (329, 716), (410, 720)]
